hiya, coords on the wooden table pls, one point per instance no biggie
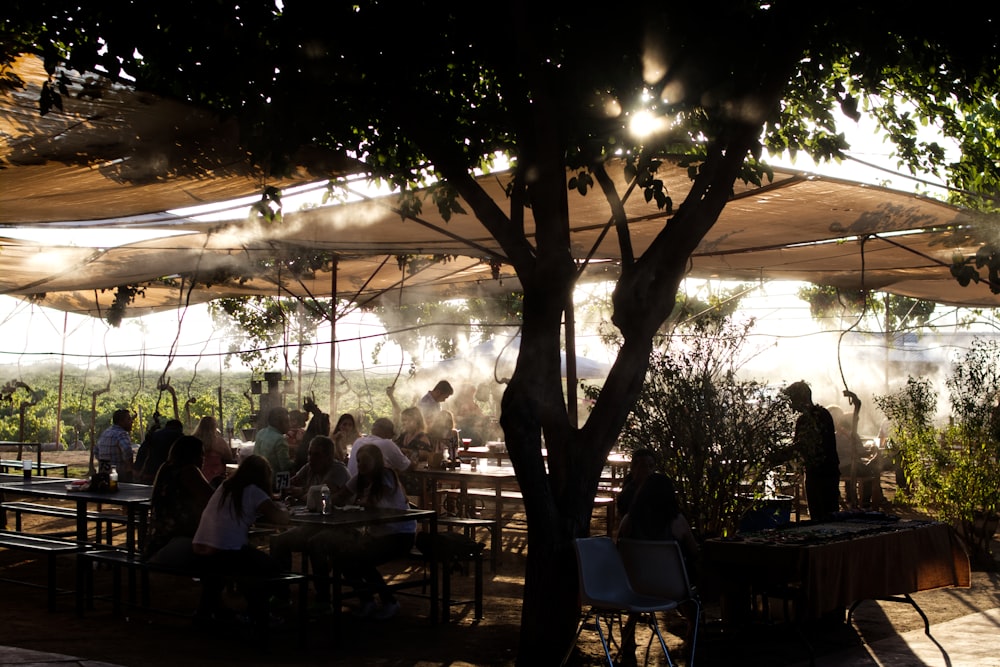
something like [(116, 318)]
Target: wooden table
[(134, 498), (495, 477), (370, 517), (834, 565)]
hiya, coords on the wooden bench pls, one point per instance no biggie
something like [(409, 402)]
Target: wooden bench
[(15, 465), (119, 559), (469, 525), (512, 496), (103, 520), (451, 554), (48, 546)]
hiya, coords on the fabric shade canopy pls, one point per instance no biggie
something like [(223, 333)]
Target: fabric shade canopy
[(119, 161)]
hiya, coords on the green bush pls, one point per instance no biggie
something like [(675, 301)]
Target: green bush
[(711, 430)]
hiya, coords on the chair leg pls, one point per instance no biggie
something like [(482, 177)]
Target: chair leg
[(656, 628), (604, 642)]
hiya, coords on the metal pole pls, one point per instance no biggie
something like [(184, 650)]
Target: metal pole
[(62, 368), (333, 337)]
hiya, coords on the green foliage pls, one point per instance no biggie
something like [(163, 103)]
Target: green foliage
[(953, 472), (445, 324), (974, 389), (828, 301), (711, 430), (892, 312), (266, 326)]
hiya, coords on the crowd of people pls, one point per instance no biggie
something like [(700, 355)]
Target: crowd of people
[(202, 511), (201, 515)]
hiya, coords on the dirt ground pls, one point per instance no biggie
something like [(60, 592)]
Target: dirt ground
[(157, 639)]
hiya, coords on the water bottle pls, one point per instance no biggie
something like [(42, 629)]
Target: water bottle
[(326, 506)]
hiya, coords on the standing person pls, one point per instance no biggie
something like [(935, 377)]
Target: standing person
[(319, 424), (381, 437), (180, 494), (296, 433), (374, 486), (815, 442), (222, 540), (849, 452), (154, 450), (216, 450), (271, 443), (430, 404), (115, 444)]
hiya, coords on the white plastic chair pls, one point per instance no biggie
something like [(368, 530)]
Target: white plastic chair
[(657, 568), (605, 592)]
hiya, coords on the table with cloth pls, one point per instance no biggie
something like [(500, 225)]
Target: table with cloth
[(832, 565)]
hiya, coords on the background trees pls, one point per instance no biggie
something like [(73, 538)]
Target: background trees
[(421, 89)]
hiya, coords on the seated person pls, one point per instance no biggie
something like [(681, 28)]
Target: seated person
[(469, 416), (326, 466), (443, 434), (217, 451), (413, 440), (358, 556), (655, 515), (154, 450), (180, 493), (222, 540), (641, 466), (345, 433)]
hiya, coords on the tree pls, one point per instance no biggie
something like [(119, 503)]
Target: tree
[(423, 89)]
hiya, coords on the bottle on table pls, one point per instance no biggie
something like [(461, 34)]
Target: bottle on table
[(26, 467), (326, 505), (113, 479)]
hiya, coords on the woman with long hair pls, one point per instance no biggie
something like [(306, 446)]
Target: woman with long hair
[(444, 437), (345, 432), (413, 439), (374, 486), (216, 450), (222, 539), (180, 494)]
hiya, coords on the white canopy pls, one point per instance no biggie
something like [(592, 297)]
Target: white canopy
[(120, 160)]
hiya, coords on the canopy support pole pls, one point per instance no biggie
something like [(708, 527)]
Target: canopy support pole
[(333, 337), (62, 371)]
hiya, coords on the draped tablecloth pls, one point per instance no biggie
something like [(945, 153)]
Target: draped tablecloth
[(832, 565)]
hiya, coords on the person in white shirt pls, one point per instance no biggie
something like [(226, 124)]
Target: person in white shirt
[(222, 540), (381, 436), (357, 556)]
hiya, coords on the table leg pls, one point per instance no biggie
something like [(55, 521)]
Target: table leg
[(81, 563), (434, 570)]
